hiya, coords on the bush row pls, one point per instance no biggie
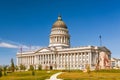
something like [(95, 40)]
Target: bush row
[(109, 70)]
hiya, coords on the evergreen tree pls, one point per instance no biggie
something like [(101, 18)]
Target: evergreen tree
[(5, 68), (0, 72), (12, 65)]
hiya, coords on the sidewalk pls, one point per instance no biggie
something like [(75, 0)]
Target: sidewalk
[(54, 76)]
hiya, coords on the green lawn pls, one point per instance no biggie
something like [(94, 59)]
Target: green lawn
[(73, 75), (91, 76), (27, 75)]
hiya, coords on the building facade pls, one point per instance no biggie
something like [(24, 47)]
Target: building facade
[(115, 63), (59, 54)]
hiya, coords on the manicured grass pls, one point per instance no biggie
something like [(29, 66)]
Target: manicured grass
[(27, 75), (91, 76), (72, 75)]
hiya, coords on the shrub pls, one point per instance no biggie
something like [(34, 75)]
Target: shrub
[(108, 70), (33, 72)]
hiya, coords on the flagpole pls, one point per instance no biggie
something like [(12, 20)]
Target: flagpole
[(21, 54), (99, 51), (100, 37)]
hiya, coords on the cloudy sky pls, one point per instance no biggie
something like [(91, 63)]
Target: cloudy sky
[(27, 23)]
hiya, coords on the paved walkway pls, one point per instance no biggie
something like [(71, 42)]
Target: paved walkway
[(54, 76)]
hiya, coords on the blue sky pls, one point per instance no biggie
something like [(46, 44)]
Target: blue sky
[(28, 23)]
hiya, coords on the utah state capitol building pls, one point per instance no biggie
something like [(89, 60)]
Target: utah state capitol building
[(59, 55)]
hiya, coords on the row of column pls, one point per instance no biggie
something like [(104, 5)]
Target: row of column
[(73, 60), (65, 59), (46, 59), (59, 39), (26, 60)]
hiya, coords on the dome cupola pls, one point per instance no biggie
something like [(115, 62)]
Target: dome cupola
[(59, 36), (59, 23)]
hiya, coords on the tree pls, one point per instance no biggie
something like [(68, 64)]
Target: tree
[(88, 68), (9, 68), (22, 67), (4, 69), (39, 67), (12, 65), (0, 72), (16, 68), (31, 68)]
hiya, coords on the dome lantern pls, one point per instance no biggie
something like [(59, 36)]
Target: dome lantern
[(59, 18)]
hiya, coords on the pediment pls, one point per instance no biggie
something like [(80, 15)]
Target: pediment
[(43, 50), (106, 50)]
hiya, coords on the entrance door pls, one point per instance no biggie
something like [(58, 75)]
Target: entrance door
[(51, 68)]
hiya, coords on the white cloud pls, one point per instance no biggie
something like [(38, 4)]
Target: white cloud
[(16, 45), (8, 45)]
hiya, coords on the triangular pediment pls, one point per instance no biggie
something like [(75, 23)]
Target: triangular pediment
[(43, 50)]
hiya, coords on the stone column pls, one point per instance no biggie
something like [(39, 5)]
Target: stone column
[(82, 59), (17, 61), (32, 59), (75, 56), (29, 60), (78, 60), (71, 60), (62, 59), (35, 59), (58, 60), (45, 59), (54, 59), (90, 56), (65, 58), (64, 39), (50, 59)]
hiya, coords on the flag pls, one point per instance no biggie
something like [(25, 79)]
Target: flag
[(100, 36)]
